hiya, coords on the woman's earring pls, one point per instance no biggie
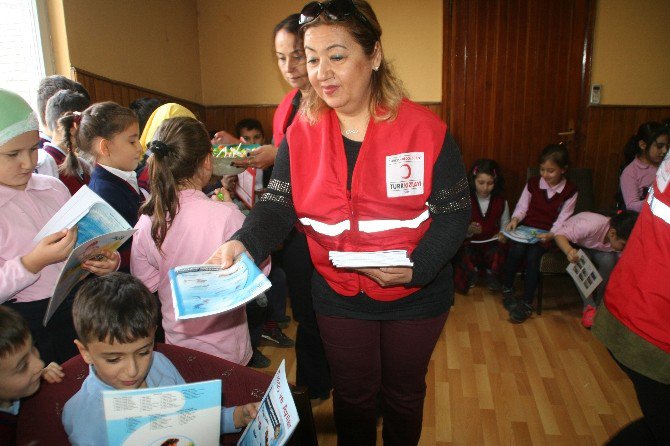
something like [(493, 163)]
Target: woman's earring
[(375, 68)]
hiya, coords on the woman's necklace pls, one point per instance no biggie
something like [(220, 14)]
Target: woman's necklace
[(351, 132)]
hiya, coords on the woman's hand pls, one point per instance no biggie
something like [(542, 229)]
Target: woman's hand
[(53, 373), (388, 276), (264, 156), (104, 262), (51, 249), (244, 414), (513, 223), (225, 254)]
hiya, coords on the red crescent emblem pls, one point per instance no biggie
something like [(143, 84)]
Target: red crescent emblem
[(409, 171)]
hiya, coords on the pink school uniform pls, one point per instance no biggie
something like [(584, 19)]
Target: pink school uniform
[(22, 216), (588, 230), (201, 226), (635, 179)]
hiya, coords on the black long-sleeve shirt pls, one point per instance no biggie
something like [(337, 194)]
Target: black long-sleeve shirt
[(449, 204)]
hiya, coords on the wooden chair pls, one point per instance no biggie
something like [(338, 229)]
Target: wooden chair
[(40, 416), (554, 262)]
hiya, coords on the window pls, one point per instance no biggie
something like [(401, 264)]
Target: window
[(23, 34)]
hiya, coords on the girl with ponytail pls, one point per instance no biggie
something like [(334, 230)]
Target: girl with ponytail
[(180, 225)]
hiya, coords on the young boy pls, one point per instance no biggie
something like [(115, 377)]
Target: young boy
[(21, 370), (116, 317), (601, 238)]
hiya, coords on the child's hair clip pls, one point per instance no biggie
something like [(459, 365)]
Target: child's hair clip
[(77, 117)]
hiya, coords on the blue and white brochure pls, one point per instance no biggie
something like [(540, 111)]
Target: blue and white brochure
[(277, 415), (183, 415), (524, 234), (203, 290)]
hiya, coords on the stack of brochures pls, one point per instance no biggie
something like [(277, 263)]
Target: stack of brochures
[(376, 259)]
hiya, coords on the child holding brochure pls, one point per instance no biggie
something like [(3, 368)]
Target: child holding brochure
[(179, 226), (602, 239), (482, 248), (545, 203), (109, 133), (29, 270), (116, 318)]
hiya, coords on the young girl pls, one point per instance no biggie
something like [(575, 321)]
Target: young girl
[(481, 250), (545, 203), (29, 270), (602, 239), (109, 133), (179, 225), (61, 110), (643, 153)]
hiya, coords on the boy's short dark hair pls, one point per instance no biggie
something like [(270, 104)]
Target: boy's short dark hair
[(249, 124), (623, 223), (114, 308), (62, 102), (14, 331), (50, 85), (143, 108)]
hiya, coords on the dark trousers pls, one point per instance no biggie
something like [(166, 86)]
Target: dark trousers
[(256, 316), (311, 366), (371, 358), (55, 342), (277, 294), (532, 254), (654, 427)]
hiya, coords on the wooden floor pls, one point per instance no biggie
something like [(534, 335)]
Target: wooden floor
[(545, 382)]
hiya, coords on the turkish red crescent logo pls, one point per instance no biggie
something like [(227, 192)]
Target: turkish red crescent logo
[(409, 171)]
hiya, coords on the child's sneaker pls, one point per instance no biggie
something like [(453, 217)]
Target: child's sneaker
[(509, 301), (587, 316), (520, 312)]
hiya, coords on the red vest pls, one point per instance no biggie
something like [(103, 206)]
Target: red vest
[(280, 119), (491, 222), (543, 211), (73, 182), (638, 292), (386, 206)]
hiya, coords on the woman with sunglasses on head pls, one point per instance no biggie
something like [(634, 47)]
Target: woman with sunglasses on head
[(364, 169)]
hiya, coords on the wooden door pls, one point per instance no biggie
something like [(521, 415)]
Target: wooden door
[(516, 76)]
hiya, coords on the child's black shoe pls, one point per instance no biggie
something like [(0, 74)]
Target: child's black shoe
[(520, 312)]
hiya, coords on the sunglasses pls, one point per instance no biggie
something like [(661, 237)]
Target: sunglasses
[(334, 10)]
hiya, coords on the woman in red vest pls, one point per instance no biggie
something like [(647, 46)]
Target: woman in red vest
[(633, 321), (364, 169)]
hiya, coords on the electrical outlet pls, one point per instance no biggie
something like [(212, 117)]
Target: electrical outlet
[(596, 90)]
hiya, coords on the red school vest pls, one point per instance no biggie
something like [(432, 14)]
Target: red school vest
[(491, 222), (543, 211), (638, 292), (73, 182), (386, 207), (280, 119)]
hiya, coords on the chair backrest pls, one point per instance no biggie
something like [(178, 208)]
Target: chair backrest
[(583, 178), (40, 416)]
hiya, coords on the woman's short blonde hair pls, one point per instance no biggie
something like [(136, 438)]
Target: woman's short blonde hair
[(387, 89)]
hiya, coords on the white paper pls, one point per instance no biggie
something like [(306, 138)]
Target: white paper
[(524, 234), (189, 413), (376, 259), (492, 239), (277, 415), (585, 274)]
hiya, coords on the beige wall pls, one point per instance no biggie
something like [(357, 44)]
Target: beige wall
[(631, 53), (237, 55), (149, 43)]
